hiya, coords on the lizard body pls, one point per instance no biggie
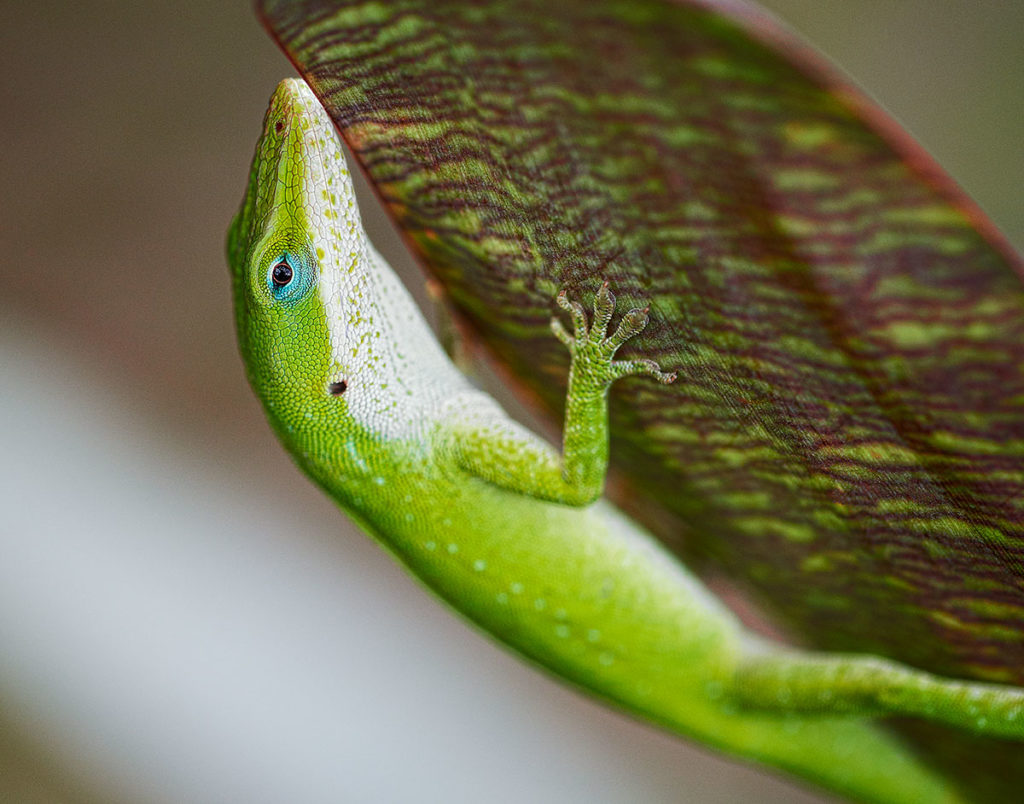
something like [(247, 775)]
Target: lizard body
[(508, 531)]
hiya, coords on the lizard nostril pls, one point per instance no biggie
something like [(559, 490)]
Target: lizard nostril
[(337, 388), (278, 126)]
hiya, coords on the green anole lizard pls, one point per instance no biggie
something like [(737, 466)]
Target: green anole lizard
[(513, 534)]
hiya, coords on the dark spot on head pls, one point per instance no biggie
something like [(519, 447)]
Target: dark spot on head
[(278, 125), (338, 388)]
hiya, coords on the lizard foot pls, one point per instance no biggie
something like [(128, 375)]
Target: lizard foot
[(593, 348)]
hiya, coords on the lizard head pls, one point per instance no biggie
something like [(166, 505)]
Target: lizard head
[(296, 236), (298, 225), (327, 332)]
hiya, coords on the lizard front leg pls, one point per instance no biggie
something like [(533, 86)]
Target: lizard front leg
[(491, 446)]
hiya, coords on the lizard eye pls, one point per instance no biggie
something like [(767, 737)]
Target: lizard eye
[(281, 274), (289, 276)]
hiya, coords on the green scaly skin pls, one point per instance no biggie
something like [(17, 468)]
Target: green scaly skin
[(511, 533)]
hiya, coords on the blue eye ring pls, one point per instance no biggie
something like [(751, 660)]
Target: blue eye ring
[(289, 277)]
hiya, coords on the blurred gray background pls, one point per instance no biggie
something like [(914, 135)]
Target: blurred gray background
[(183, 618)]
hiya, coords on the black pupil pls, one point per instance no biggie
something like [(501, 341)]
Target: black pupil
[(282, 274)]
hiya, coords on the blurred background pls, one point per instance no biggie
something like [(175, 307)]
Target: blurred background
[(183, 617)]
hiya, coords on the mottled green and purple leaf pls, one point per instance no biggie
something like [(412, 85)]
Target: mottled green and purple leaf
[(846, 435)]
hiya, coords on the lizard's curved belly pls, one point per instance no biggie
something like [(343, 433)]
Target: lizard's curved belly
[(581, 590)]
